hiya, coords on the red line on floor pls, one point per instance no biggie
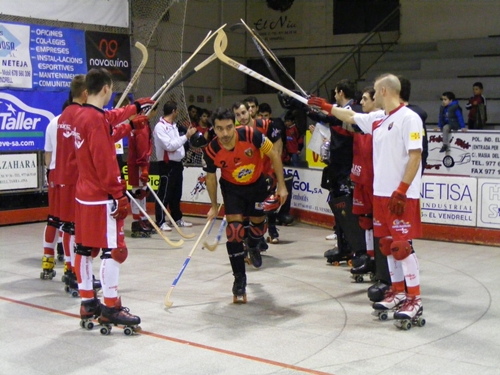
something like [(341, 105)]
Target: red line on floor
[(185, 342)]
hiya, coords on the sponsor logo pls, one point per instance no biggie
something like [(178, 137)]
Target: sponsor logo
[(415, 136), (401, 226), (244, 173), (16, 115)]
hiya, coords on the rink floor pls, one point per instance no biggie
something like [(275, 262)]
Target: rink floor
[(302, 317)]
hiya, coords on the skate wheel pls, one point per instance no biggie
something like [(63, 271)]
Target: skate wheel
[(383, 316), (53, 275), (82, 324), (89, 325), (359, 279), (268, 239), (128, 331), (66, 289), (74, 294), (405, 325), (41, 276), (105, 331), (421, 322)]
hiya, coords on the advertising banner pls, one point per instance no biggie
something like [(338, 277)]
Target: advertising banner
[(449, 200), (109, 51), (489, 198), (18, 171)]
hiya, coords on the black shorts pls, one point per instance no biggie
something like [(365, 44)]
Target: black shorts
[(244, 200)]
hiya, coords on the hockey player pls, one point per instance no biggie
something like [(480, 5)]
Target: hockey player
[(238, 152), (139, 152), (397, 147), (101, 204)]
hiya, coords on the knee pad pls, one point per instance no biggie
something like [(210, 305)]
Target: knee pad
[(366, 222), (53, 221), (235, 232), (95, 252), (83, 250), (119, 254), (235, 249), (385, 245), (68, 227), (258, 230), (401, 249)]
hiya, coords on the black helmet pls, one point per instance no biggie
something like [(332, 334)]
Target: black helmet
[(198, 140)]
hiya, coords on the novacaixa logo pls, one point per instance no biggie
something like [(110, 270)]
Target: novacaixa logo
[(16, 115)]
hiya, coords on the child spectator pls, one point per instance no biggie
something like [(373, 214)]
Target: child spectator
[(450, 118), (294, 141), (477, 107)]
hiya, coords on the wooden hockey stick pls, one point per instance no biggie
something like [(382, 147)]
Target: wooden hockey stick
[(222, 227), (192, 235), (158, 230), (164, 88), (256, 37), (137, 73), (168, 303), (242, 68)]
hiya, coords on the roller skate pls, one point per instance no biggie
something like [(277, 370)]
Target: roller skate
[(71, 285), (140, 230), (48, 271), (146, 224), (118, 316), (273, 234), (262, 246), (284, 219), (239, 291), (377, 291), (410, 314), (60, 252), (334, 256), (363, 266), (88, 311), (253, 257), (391, 302)]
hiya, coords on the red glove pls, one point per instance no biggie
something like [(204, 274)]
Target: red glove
[(120, 210), (144, 177), (397, 201), (316, 101), (139, 122), (143, 105)]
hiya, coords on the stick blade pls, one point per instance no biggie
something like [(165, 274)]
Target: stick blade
[(206, 245), (168, 303)]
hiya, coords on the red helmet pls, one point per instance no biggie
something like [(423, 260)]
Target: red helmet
[(271, 203)]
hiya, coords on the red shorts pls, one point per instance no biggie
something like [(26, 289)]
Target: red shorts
[(94, 226), (67, 203), (53, 193), (402, 228), (362, 199), (133, 175)]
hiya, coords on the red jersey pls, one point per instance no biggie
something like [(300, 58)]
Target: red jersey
[(362, 162), (99, 174), (293, 140), (140, 145), (243, 164)]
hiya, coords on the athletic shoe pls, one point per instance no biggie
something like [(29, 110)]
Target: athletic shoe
[(391, 301), (332, 236), (409, 309), (182, 223), (164, 227)]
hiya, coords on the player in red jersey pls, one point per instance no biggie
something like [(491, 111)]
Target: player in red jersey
[(238, 152)]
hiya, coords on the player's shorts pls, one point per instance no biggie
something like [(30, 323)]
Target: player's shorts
[(244, 200), (133, 175), (67, 203), (402, 228), (94, 226), (362, 199), (53, 193)]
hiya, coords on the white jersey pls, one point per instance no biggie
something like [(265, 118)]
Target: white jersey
[(51, 141), (169, 144), (394, 135)]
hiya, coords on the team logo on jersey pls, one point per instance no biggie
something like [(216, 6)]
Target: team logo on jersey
[(414, 136), (78, 140), (244, 173), (249, 152), (275, 133), (390, 126), (401, 226)]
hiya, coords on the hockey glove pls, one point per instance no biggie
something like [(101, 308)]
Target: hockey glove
[(144, 177), (143, 105), (120, 208), (139, 122), (397, 201), (320, 103)]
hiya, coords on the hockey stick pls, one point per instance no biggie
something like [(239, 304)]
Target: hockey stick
[(227, 60), (222, 227), (164, 88), (192, 235), (200, 66), (158, 230), (168, 303), (256, 37), (137, 73)]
